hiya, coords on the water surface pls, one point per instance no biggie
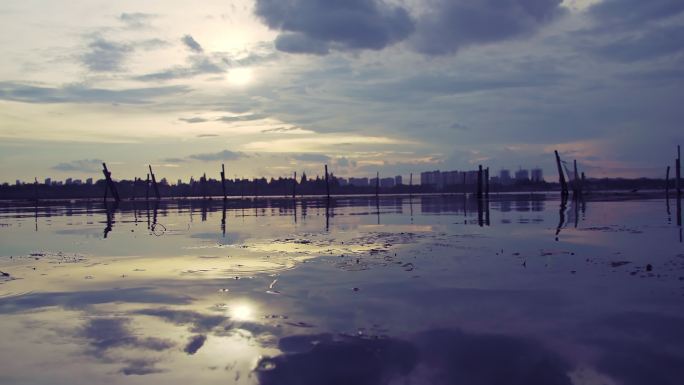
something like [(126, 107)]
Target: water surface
[(401, 290)]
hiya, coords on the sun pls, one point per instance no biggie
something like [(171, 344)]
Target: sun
[(240, 76)]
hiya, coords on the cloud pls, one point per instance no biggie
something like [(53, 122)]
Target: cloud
[(192, 44), (241, 118), (108, 333), (449, 25), (78, 93), (196, 119), (653, 43), (311, 157), (136, 20), (197, 65), (221, 155), (83, 165), (199, 323), (194, 344), (433, 357), (317, 26), (105, 55), (630, 12)]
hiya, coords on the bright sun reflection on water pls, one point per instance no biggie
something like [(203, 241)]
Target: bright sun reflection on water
[(240, 76), (242, 312)]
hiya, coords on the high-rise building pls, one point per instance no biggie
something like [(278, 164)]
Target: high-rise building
[(537, 175), (522, 175), (360, 182), (48, 181), (430, 178), (68, 181), (386, 182), (89, 181), (505, 176), (397, 180)]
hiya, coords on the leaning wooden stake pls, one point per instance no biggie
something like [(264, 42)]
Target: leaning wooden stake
[(294, 186), (561, 176), (154, 183), (110, 183), (410, 184), (486, 182), (575, 184), (667, 181), (327, 183), (223, 180)]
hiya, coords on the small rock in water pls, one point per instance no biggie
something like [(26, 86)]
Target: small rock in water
[(4, 274), (356, 289), (649, 267)]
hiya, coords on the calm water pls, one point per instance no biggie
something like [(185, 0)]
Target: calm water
[(428, 290)]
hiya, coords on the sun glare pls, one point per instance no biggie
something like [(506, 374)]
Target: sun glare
[(241, 312), (240, 76)]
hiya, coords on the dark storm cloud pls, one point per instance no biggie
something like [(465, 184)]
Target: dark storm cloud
[(192, 44), (105, 55), (315, 26), (450, 25), (83, 165), (82, 94), (630, 12)]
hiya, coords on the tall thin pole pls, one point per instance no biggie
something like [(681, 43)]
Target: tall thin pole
[(294, 186), (479, 182), (667, 181), (410, 184), (223, 180), (327, 183), (377, 183), (109, 182), (486, 182), (678, 171), (576, 181)]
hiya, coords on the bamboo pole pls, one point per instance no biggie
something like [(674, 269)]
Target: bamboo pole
[(377, 184), (294, 186), (678, 171), (486, 182), (667, 181)]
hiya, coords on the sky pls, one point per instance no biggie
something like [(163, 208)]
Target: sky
[(270, 87)]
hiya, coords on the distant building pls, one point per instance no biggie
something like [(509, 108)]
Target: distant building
[(360, 182), (180, 182), (451, 178), (77, 182), (89, 181), (386, 182), (342, 181), (397, 180), (537, 175), (68, 181), (522, 175), (48, 181), (430, 178), (17, 182), (505, 177)]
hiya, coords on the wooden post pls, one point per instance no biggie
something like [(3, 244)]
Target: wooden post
[(575, 184), (479, 182), (582, 184), (561, 176), (204, 185), (464, 183), (678, 168), (35, 188), (294, 187), (486, 181), (223, 181), (109, 182), (327, 183), (667, 181), (410, 184), (154, 183), (147, 187), (377, 183)]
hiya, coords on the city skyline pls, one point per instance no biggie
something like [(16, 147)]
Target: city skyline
[(400, 86)]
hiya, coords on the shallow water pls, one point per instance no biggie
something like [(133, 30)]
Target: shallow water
[(421, 290)]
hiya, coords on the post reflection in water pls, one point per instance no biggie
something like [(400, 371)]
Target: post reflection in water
[(278, 300)]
